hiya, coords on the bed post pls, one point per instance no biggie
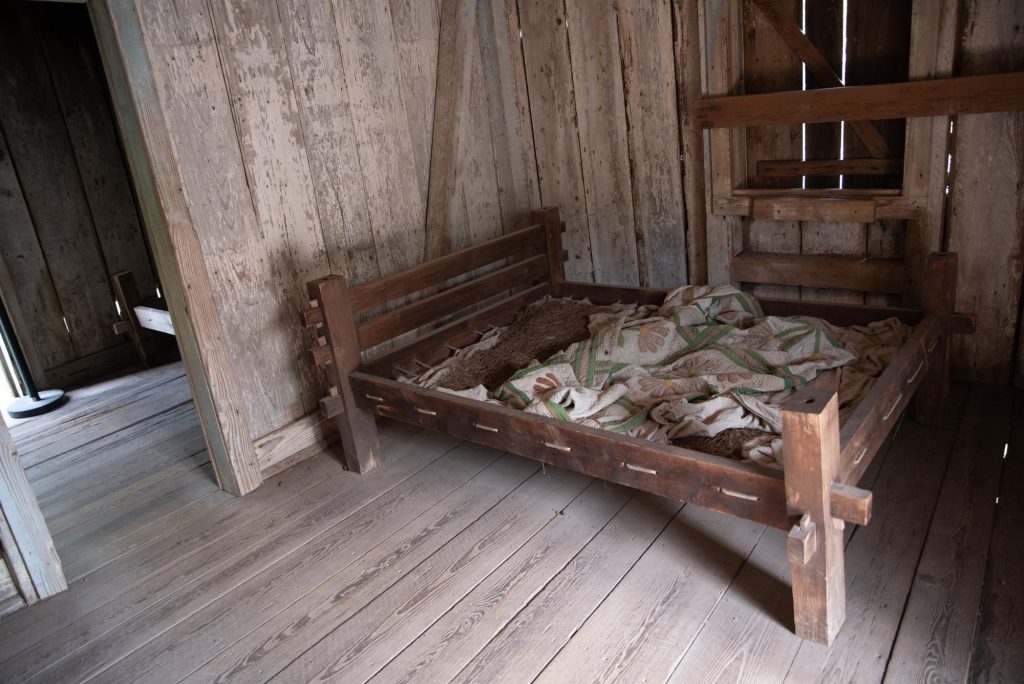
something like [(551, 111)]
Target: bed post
[(126, 294), (549, 218), (810, 436), (939, 298), (338, 353)]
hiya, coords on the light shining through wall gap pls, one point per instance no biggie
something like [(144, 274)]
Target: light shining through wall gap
[(803, 86), (842, 79)]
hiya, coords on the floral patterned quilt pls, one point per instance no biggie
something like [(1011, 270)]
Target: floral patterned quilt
[(706, 360)]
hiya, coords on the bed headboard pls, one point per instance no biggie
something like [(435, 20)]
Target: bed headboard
[(528, 262)]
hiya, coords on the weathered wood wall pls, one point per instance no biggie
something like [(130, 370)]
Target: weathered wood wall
[(602, 88), (315, 136), (67, 214), (986, 200), (983, 203), (359, 138)]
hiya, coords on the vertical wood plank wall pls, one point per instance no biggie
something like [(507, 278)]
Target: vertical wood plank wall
[(67, 212), (307, 137), (321, 136), (986, 200)]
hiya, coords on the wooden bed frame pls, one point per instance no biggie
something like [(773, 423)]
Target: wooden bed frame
[(813, 497), (136, 317)]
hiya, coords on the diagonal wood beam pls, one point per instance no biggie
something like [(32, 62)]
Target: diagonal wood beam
[(819, 67), (453, 71)]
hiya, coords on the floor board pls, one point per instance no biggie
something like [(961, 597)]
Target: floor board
[(937, 629), (998, 654), (458, 563)]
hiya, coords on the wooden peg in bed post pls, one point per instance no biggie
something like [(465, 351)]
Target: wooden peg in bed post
[(810, 439), (356, 426), (549, 218), (939, 298)]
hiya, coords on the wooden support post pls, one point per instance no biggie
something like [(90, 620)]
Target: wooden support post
[(549, 218), (356, 426), (939, 297), (25, 541), (810, 435), (127, 295)]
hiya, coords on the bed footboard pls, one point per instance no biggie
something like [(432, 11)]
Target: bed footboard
[(810, 431)]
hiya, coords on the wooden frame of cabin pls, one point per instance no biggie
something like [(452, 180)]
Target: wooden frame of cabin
[(813, 497), (721, 111)]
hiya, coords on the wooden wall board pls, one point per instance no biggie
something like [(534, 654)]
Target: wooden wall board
[(477, 214), (250, 273), (260, 89), (836, 239), (552, 106), (825, 31), (38, 143), (986, 206), (21, 514), (416, 26), (321, 92), (70, 50), (649, 82), (169, 224), (770, 66), (596, 68), (33, 305), (823, 141), (725, 150), (886, 238), (691, 76), (515, 159), (373, 76), (445, 211), (877, 51), (934, 35)]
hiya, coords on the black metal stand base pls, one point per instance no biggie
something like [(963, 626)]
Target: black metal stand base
[(26, 407)]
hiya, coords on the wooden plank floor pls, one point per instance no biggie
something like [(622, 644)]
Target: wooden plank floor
[(458, 563)]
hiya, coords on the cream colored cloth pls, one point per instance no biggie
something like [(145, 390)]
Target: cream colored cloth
[(704, 361)]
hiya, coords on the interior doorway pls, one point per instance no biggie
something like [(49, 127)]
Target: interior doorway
[(127, 450)]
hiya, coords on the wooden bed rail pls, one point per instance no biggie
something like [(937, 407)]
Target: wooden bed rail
[(740, 489), (531, 260), (522, 243), (423, 311)]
